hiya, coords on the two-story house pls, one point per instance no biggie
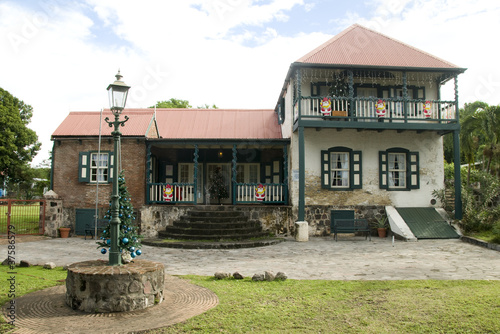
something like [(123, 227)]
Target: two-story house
[(357, 130)]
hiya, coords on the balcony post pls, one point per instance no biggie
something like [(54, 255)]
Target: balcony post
[(299, 93), (405, 96), (351, 94), (195, 176), (234, 161)]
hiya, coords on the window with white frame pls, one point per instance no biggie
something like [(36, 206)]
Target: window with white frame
[(341, 169), (95, 167), (99, 167), (247, 173), (399, 169)]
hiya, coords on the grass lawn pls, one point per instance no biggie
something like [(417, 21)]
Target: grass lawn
[(305, 306), (25, 216)]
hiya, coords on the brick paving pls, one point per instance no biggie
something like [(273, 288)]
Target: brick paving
[(45, 311)]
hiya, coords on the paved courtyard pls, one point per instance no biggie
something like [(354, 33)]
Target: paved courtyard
[(351, 258)]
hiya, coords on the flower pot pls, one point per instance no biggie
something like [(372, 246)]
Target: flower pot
[(64, 231), (382, 232)]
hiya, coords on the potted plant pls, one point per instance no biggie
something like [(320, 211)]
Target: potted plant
[(381, 224), (64, 231)]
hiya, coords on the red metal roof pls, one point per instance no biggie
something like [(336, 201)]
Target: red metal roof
[(179, 124), (86, 123), (361, 46), (218, 124)]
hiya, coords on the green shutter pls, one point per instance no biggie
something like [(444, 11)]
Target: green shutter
[(413, 171), (355, 175), (383, 165), (111, 165), (325, 169), (84, 167)]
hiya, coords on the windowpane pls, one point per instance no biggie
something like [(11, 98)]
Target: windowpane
[(397, 170), (339, 169), (99, 167)]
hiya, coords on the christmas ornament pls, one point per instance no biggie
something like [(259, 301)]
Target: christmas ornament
[(138, 252), (125, 240), (326, 107), (103, 250), (132, 255)]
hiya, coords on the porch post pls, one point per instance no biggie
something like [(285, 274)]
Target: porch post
[(456, 158), (302, 175), (351, 94), (234, 174), (299, 93), (285, 173), (148, 173), (195, 176), (405, 96)]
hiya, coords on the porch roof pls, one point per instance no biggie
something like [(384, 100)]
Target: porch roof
[(86, 123), (218, 124)]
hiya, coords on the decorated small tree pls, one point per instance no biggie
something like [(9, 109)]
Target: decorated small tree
[(217, 186), (129, 241)]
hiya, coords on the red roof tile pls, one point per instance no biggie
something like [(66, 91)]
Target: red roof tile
[(86, 123), (218, 124), (359, 46)]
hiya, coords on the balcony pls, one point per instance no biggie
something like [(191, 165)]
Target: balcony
[(388, 113)]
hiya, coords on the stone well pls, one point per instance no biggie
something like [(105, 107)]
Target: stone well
[(95, 286)]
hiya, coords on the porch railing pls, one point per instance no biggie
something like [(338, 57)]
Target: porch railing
[(260, 193), (365, 109), (171, 193)]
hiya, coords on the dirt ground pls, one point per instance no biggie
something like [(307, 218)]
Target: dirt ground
[(23, 238)]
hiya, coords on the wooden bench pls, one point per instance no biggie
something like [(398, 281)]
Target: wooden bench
[(351, 226), (90, 228)]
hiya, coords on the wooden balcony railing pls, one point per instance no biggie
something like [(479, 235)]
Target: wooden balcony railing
[(260, 193), (171, 193), (374, 109)]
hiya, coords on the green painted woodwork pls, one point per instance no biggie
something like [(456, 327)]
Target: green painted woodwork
[(285, 171), (234, 171), (149, 171), (427, 223), (302, 175), (355, 168), (412, 169), (458, 183)]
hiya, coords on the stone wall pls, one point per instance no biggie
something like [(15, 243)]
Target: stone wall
[(278, 220), (319, 216), (54, 215)]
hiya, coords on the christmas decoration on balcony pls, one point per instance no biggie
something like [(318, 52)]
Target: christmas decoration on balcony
[(129, 241), (427, 109), (326, 107), (260, 192), (380, 108), (168, 193)]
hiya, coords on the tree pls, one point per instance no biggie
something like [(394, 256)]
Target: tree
[(18, 143), (206, 106), (217, 187), (173, 103), (128, 238)]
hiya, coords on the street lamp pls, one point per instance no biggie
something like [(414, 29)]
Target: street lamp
[(117, 92)]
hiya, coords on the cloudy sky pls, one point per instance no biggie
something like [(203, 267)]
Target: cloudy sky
[(59, 55)]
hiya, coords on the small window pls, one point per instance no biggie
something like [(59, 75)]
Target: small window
[(341, 169), (95, 167), (399, 169), (99, 167)]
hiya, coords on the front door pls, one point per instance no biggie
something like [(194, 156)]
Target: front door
[(186, 175), (225, 180)]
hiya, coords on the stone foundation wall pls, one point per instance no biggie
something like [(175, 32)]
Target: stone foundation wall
[(54, 215), (319, 217), (278, 220)]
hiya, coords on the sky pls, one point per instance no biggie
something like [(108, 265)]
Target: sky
[(60, 55)]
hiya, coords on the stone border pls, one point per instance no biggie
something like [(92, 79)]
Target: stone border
[(45, 311), (480, 243)]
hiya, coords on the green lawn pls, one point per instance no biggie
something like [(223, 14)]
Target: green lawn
[(24, 216), (317, 306)]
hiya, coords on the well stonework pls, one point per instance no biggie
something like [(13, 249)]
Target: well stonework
[(96, 287)]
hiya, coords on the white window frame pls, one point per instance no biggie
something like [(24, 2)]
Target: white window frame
[(99, 171), (343, 171)]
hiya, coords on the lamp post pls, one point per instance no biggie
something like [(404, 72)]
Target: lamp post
[(117, 92)]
